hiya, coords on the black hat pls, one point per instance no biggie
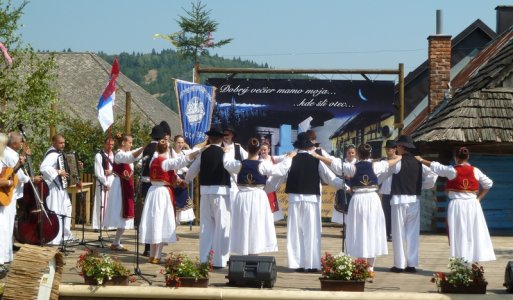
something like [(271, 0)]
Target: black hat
[(230, 129), (215, 131), (165, 127), (406, 141), (157, 133), (390, 144), (303, 141)]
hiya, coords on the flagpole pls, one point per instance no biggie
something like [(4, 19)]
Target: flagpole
[(128, 111)]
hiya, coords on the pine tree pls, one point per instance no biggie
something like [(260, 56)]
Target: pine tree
[(196, 36)]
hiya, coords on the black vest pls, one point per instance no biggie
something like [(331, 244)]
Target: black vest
[(304, 176), (106, 162), (212, 171), (409, 180), (249, 174), (364, 176), (148, 151)]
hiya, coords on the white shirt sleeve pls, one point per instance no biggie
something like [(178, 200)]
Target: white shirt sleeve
[(231, 164), (48, 167), (443, 170), (270, 169), (340, 167), (329, 177), (193, 169), (99, 172), (428, 178), (123, 157), (380, 168), (174, 163), (484, 181)]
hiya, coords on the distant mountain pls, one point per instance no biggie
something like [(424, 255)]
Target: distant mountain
[(155, 71)]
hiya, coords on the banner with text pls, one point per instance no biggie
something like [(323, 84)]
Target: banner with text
[(195, 103)]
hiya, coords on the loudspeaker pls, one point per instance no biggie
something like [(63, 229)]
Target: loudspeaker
[(508, 277), (254, 271)]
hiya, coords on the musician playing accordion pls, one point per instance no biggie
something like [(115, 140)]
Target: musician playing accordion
[(58, 199)]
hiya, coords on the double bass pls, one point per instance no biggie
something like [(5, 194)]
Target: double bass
[(36, 224)]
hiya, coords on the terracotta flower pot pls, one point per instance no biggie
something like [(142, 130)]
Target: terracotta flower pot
[(342, 285), (446, 287), (188, 282), (116, 280)]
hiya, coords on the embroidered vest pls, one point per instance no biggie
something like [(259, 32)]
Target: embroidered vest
[(158, 174), (465, 180), (249, 174), (364, 176)]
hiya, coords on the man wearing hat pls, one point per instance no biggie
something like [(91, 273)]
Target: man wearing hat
[(386, 184), (234, 151), (157, 133), (408, 179), (215, 185), (304, 216)]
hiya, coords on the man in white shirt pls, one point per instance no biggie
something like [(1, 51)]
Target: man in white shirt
[(409, 178)]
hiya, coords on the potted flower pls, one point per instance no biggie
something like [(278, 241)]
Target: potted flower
[(343, 273), (102, 269), (462, 278), (181, 270)]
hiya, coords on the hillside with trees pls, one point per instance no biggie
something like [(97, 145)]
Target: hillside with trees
[(155, 71)]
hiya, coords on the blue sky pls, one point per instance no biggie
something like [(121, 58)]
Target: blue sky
[(283, 33)]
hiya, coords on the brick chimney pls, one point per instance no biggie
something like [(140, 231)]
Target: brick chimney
[(439, 62)]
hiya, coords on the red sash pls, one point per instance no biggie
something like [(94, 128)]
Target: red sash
[(125, 174), (273, 199)]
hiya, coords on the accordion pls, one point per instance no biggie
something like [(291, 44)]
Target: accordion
[(69, 163)]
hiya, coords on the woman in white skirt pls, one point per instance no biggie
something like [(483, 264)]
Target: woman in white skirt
[(120, 210), (365, 222), (468, 233), (184, 206), (158, 216), (270, 189), (252, 221)]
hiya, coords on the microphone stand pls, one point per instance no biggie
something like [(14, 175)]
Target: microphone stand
[(137, 270)]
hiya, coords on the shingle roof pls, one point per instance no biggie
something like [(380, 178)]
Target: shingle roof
[(481, 110), (82, 77)]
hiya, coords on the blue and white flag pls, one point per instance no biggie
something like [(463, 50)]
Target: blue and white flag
[(196, 104)]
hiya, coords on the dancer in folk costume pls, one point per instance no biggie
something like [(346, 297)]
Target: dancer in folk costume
[(468, 234), (104, 178), (385, 189), (120, 210), (304, 216), (158, 225), (251, 208), (215, 185), (352, 158), (157, 133), (409, 178), (365, 222), (184, 205), (236, 151), (273, 182)]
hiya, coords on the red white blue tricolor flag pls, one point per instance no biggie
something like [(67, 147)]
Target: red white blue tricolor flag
[(106, 103), (196, 104)]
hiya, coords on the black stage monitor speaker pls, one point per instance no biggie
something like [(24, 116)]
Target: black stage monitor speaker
[(254, 271)]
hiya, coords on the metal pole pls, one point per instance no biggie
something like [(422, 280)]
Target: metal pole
[(128, 111), (401, 98)]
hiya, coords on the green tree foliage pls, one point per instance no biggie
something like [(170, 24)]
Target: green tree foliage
[(196, 36), (27, 88), (86, 138)]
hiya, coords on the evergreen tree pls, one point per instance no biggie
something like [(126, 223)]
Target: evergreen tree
[(27, 87), (196, 36)]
